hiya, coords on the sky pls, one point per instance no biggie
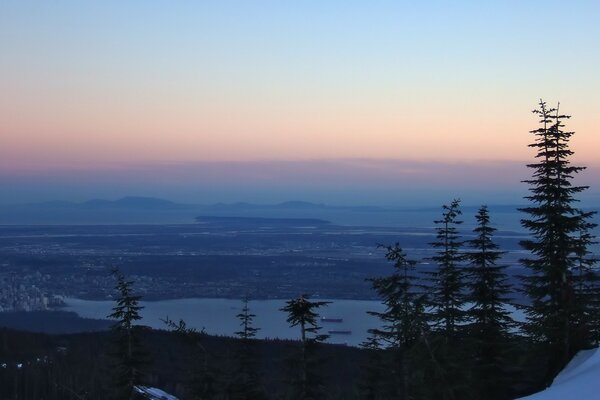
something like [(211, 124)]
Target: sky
[(336, 101)]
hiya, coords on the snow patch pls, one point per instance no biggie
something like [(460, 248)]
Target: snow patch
[(151, 393), (579, 379)]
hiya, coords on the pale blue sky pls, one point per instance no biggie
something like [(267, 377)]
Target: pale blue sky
[(95, 91)]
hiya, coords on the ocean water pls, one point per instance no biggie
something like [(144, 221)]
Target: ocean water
[(218, 316)]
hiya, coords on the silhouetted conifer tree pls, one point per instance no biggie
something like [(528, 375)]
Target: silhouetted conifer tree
[(586, 281), (447, 371), (403, 320), (246, 385), (489, 319), (247, 331), (446, 295), (130, 355), (559, 311), (306, 380)]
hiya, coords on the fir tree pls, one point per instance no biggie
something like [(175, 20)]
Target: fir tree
[(247, 331), (559, 308), (403, 319), (446, 296), (130, 355), (306, 380), (489, 319), (246, 385), (586, 282), (445, 369)]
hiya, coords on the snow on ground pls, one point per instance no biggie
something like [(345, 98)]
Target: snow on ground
[(154, 394), (579, 380)]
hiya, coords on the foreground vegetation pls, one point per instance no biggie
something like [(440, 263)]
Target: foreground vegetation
[(81, 366)]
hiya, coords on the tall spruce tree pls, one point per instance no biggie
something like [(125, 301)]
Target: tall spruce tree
[(446, 370), (247, 331), (130, 355), (446, 295), (246, 384), (560, 237), (403, 320), (586, 282), (489, 320), (306, 382)]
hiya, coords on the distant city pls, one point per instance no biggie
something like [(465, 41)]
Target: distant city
[(27, 292), (216, 257)]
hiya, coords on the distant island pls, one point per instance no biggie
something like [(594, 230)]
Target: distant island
[(261, 220)]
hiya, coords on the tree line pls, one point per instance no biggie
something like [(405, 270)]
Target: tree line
[(450, 332)]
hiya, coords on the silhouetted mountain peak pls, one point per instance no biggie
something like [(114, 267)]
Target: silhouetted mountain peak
[(95, 203), (138, 201), (50, 204), (132, 202)]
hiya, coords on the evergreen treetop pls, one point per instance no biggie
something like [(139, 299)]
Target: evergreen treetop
[(489, 290), (446, 295), (489, 320), (127, 310), (403, 319), (560, 234), (404, 325), (305, 382), (130, 355), (301, 312), (247, 331)]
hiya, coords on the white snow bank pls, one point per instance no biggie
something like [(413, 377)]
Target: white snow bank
[(579, 380), (154, 394)]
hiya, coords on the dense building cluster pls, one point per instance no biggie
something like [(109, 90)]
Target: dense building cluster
[(26, 293)]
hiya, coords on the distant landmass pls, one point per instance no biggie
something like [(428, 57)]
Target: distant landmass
[(261, 220), (153, 203), (125, 202), (295, 205), (304, 205), (152, 210)]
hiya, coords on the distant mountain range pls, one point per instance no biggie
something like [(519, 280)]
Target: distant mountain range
[(153, 203), (151, 210), (127, 210), (237, 221), (293, 205), (304, 205), (125, 202)]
